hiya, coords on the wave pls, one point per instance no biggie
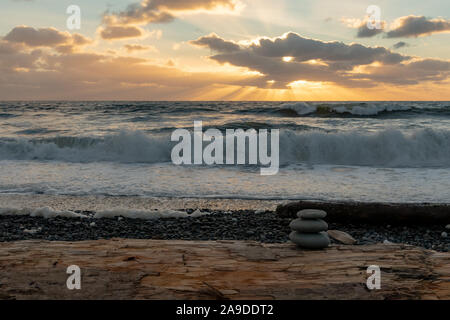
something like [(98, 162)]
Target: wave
[(355, 109), (392, 148), (126, 146)]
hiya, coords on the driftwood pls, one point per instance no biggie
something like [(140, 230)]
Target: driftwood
[(373, 213), (153, 269)]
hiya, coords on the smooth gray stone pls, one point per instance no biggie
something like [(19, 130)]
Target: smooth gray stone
[(311, 214), (310, 240), (308, 225)]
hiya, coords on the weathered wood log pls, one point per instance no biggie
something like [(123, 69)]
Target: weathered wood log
[(152, 269), (373, 213)]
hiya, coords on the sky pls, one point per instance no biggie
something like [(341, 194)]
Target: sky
[(300, 50)]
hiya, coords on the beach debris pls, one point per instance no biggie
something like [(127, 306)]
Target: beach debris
[(341, 236), (444, 234), (309, 230)]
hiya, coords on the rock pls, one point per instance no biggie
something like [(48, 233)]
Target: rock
[(92, 224), (308, 225), (447, 227), (310, 240), (341, 236), (32, 231), (444, 234), (387, 242), (311, 214)]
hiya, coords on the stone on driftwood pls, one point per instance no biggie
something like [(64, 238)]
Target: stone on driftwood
[(310, 240), (341, 236), (308, 225)]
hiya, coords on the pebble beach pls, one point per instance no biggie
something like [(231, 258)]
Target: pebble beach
[(262, 226)]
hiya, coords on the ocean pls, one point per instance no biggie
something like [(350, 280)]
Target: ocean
[(356, 151)]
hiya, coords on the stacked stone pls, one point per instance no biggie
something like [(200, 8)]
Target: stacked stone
[(309, 230)]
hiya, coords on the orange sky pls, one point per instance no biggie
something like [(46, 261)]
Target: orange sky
[(223, 50)]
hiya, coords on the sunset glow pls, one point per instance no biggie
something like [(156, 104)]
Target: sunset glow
[(227, 49)]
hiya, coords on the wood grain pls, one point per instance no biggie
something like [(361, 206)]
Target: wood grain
[(153, 269)]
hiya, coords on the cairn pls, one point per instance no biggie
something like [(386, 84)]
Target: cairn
[(309, 230)]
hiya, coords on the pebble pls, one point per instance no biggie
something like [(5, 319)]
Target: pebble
[(32, 231), (308, 225), (92, 224), (444, 234), (310, 240), (311, 214), (447, 227)]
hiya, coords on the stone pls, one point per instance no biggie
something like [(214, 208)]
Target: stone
[(310, 240), (308, 225), (447, 227), (444, 234), (341, 236), (311, 214)]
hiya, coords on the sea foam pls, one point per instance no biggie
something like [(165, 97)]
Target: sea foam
[(420, 147), (49, 213)]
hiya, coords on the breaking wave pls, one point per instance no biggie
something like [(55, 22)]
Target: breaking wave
[(422, 147)]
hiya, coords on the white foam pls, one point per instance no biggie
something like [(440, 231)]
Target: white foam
[(390, 148), (45, 212), (126, 146), (48, 213), (147, 214)]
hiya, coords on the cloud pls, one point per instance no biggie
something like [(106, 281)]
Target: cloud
[(415, 26), (365, 32), (161, 11), (46, 37), (63, 42), (400, 44), (352, 65), (213, 42), (361, 25), (47, 72), (138, 47), (120, 32), (125, 24)]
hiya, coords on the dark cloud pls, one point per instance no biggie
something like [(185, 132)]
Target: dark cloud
[(215, 43), (45, 37), (315, 60), (415, 26), (400, 44), (160, 11), (365, 32)]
